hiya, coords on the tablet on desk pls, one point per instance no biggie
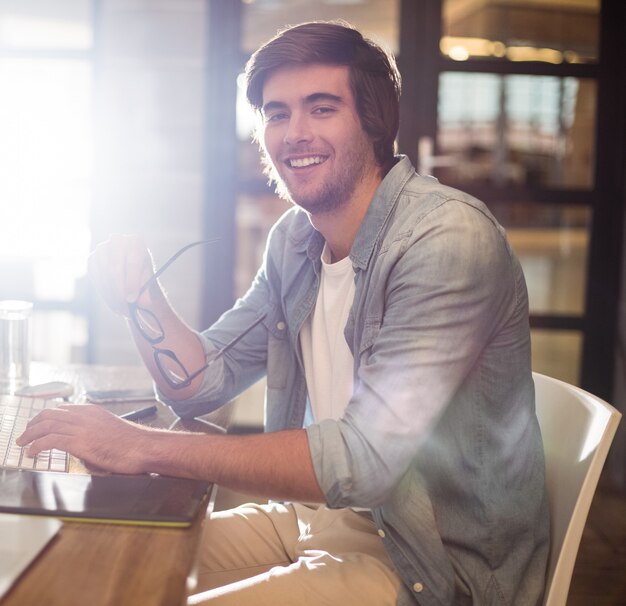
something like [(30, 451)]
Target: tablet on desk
[(137, 499)]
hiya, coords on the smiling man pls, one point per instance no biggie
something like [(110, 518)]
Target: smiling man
[(390, 317)]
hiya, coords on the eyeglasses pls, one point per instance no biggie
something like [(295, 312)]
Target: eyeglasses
[(150, 328)]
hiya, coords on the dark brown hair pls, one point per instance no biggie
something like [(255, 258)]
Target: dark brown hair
[(374, 77)]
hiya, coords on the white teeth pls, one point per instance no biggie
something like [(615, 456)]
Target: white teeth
[(302, 162)]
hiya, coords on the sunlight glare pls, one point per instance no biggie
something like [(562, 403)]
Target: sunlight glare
[(45, 159)]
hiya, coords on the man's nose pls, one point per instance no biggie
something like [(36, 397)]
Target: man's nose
[(298, 130)]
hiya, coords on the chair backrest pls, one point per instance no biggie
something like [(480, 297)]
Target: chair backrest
[(577, 429)]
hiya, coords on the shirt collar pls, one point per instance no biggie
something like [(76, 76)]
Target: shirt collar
[(379, 210), (305, 237)]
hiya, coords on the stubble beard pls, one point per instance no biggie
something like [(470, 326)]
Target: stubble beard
[(335, 191)]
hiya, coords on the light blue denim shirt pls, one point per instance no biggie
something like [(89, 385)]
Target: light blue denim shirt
[(440, 438)]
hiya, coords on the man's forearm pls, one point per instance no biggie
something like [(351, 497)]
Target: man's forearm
[(274, 465), (179, 338)]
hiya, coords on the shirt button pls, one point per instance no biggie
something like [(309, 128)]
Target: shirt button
[(381, 533), (418, 588), (281, 326)]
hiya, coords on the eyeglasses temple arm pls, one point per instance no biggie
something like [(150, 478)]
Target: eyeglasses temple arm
[(171, 260), (238, 338)]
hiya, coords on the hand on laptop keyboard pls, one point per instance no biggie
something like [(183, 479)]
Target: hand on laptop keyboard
[(101, 440), (15, 412)]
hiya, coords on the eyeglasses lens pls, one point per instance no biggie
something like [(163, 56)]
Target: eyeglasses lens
[(171, 369), (149, 325)]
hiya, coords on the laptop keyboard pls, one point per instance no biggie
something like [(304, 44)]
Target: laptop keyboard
[(15, 412)]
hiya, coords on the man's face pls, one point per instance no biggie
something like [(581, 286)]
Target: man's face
[(312, 136)]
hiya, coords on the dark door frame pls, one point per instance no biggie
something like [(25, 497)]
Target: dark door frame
[(607, 234), (221, 166)]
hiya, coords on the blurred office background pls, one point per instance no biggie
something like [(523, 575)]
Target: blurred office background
[(128, 116)]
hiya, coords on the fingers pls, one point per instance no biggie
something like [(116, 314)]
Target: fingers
[(51, 424), (36, 427), (48, 442), (88, 432), (138, 269), (118, 268)]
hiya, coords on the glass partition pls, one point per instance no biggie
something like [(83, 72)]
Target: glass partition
[(46, 149), (376, 19), (557, 353), (552, 31), (552, 243), (515, 131), (40, 24)]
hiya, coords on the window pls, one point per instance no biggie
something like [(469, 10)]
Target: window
[(46, 166), (551, 31), (517, 130)]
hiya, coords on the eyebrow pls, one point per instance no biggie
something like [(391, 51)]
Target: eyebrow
[(315, 97), (309, 99)]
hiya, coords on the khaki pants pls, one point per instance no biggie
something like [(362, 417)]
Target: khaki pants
[(279, 554)]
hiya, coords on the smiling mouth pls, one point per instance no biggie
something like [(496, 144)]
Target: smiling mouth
[(304, 162)]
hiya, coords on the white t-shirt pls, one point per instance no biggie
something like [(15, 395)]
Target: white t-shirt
[(328, 361)]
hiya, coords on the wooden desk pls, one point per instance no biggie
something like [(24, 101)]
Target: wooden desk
[(93, 564), (112, 565)]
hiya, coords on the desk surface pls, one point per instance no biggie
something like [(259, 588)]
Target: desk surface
[(97, 564)]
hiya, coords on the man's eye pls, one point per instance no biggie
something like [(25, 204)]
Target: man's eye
[(276, 117), (321, 111)]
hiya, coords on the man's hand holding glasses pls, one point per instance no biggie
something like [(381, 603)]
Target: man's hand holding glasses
[(119, 268)]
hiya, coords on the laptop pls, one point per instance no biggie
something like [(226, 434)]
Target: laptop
[(23, 538), (43, 486)]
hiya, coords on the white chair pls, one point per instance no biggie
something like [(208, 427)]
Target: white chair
[(577, 430)]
